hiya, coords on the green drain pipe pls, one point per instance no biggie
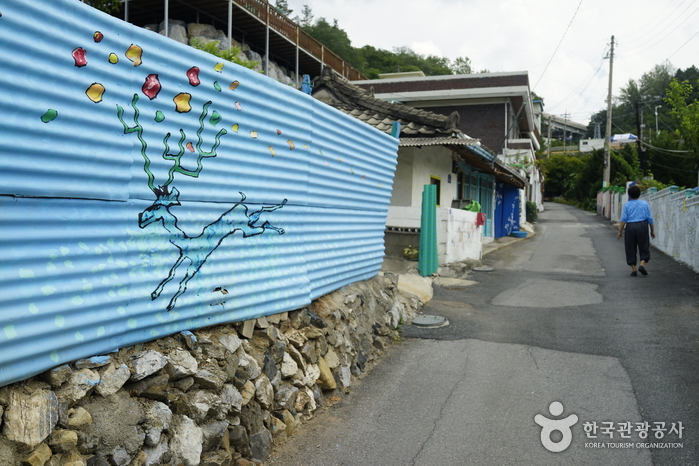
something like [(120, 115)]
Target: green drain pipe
[(428, 262)]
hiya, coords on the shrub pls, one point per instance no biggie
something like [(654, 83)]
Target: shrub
[(532, 212)]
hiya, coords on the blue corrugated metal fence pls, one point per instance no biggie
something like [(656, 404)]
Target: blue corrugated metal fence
[(147, 188)]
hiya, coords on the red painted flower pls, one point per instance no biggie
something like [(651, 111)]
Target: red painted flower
[(79, 55), (193, 75), (151, 87)]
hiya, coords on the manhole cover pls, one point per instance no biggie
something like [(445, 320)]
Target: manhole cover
[(483, 269), (429, 321)]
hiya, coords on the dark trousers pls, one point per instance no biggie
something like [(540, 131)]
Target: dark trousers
[(637, 237)]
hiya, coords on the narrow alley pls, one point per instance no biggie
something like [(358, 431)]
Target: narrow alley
[(558, 330)]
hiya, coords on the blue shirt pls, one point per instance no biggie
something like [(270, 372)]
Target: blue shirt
[(636, 210)]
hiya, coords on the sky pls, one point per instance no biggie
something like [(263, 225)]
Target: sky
[(562, 44)]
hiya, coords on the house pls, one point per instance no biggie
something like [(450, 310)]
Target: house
[(495, 107), (432, 150)]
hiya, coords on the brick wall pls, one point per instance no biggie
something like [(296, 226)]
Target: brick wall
[(484, 122)]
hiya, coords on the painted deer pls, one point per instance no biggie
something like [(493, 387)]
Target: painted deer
[(197, 249)]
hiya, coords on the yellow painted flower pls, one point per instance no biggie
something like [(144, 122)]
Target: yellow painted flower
[(95, 92)]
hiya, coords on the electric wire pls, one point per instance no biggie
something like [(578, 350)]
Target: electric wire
[(559, 44), (674, 26), (673, 53), (669, 151), (671, 168), (586, 82), (656, 23)]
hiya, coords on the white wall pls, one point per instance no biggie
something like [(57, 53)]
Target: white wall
[(676, 219), (463, 239), (433, 161), (404, 217), (403, 179), (458, 237)]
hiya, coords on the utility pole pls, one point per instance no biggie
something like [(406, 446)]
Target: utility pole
[(565, 129), (548, 146), (608, 134), (639, 143)]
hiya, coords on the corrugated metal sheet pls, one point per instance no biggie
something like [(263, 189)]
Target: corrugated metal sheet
[(113, 233)]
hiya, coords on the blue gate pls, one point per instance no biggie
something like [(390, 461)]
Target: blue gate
[(506, 209)]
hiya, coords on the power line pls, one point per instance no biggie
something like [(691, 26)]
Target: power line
[(586, 83), (657, 24), (666, 35), (669, 151), (673, 53), (559, 44), (671, 168)]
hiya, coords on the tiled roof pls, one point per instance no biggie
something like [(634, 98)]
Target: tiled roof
[(437, 141), (418, 127), (359, 103)]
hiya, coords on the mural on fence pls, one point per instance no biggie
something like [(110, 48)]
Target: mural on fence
[(147, 188)]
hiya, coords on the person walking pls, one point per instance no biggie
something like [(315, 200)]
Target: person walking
[(637, 219)]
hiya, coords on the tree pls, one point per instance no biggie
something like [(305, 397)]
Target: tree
[(283, 7), (462, 65), (306, 19), (588, 179), (560, 172), (334, 38), (685, 113), (372, 61), (108, 6)]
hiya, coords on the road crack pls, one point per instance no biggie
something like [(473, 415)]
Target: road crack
[(441, 412), (531, 354)]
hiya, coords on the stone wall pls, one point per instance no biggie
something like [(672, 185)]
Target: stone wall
[(184, 33), (223, 395)]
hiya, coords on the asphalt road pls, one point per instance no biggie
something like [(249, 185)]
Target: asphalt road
[(558, 324)]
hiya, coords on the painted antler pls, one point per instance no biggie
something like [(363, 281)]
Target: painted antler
[(176, 158)]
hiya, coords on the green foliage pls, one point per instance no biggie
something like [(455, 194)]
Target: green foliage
[(230, 54), (334, 38), (283, 7), (684, 112), (645, 93), (532, 212), (535, 96), (651, 183), (560, 174), (588, 180), (306, 20), (462, 65), (108, 6), (372, 61)]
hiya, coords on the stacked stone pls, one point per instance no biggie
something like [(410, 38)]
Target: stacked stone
[(185, 33), (218, 396)]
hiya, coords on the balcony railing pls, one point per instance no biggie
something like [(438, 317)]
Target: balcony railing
[(287, 28)]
